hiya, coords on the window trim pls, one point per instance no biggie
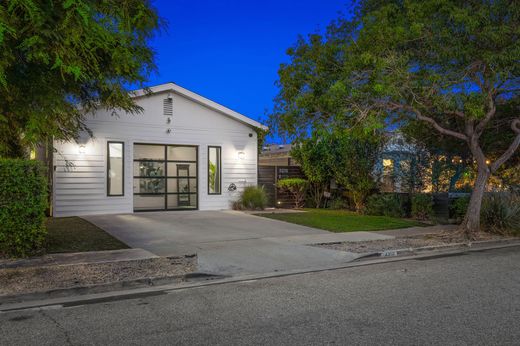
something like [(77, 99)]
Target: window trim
[(123, 170), (219, 169)]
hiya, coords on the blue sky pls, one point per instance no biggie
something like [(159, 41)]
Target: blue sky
[(230, 50)]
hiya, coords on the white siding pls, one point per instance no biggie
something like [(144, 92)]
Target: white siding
[(80, 179)]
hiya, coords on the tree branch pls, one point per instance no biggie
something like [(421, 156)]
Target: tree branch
[(432, 121), (515, 125), (491, 112)]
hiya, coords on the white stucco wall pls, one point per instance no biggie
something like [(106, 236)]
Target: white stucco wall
[(80, 186)]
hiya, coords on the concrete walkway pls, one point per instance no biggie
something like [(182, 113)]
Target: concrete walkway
[(230, 242)]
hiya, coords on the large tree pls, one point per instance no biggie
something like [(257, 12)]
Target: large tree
[(443, 63), (60, 59)]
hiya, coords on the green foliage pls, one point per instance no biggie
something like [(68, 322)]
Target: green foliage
[(313, 155), (297, 187), (23, 201), (252, 198), (60, 60), (422, 206), (338, 203), (388, 204), (212, 176), (352, 161), (501, 213), (458, 207), (446, 64)]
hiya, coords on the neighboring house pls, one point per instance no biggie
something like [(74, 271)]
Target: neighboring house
[(276, 155), (396, 163), (183, 151)]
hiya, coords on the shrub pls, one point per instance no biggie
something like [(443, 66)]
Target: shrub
[(458, 208), (23, 200), (338, 203), (296, 187), (252, 198), (500, 213), (389, 204), (422, 206)]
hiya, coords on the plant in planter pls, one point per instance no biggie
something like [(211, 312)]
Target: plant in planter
[(297, 187)]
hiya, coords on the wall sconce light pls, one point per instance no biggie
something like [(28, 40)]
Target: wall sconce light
[(81, 149), (241, 155)]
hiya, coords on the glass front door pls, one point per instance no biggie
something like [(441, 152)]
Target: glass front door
[(165, 177)]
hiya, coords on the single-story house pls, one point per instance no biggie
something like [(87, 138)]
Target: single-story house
[(183, 151)]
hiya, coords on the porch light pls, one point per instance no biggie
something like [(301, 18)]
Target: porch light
[(81, 149), (241, 155)]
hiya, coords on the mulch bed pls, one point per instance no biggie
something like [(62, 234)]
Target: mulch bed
[(43, 278), (438, 239)]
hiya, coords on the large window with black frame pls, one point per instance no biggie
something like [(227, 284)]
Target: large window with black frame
[(165, 177)]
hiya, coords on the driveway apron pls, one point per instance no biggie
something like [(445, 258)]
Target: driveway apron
[(229, 242)]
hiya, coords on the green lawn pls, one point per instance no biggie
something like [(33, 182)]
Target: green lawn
[(73, 234), (342, 220)]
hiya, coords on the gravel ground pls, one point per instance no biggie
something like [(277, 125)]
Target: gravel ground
[(36, 279), (439, 239)]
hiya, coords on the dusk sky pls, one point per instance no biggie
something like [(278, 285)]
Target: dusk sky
[(229, 51)]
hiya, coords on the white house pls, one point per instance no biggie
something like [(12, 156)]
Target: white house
[(182, 152)]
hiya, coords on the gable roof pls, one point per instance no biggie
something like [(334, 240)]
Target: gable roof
[(172, 87)]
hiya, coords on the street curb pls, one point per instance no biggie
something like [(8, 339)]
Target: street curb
[(170, 288), (104, 288), (417, 250)]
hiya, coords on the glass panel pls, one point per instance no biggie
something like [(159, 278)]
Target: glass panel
[(148, 202), (148, 152), (148, 185), (182, 153), (187, 200), (148, 169), (176, 169), (214, 181), (115, 169), (182, 185)]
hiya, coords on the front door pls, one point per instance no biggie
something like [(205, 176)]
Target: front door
[(165, 177)]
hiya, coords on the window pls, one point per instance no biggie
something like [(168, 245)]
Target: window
[(214, 170), (115, 168)]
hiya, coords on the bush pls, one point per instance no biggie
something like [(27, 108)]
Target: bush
[(500, 213), (422, 206), (296, 187), (252, 198), (338, 203), (23, 200), (388, 204), (459, 207)]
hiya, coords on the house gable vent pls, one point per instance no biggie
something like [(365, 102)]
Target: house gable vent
[(168, 107)]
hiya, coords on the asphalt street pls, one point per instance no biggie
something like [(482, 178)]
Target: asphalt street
[(469, 299)]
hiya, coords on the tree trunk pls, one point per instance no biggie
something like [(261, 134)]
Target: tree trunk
[(471, 223)]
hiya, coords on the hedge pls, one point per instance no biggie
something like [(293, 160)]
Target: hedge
[(23, 201)]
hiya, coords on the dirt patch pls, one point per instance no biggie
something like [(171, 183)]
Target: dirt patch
[(43, 278), (414, 242)]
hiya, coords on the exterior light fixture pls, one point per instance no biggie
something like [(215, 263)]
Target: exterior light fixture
[(488, 162), (81, 149), (241, 155)]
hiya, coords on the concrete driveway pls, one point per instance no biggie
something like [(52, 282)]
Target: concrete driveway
[(229, 242)]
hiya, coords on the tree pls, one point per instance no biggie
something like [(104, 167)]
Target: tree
[(446, 64), (313, 155), (60, 60), (353, 160)]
